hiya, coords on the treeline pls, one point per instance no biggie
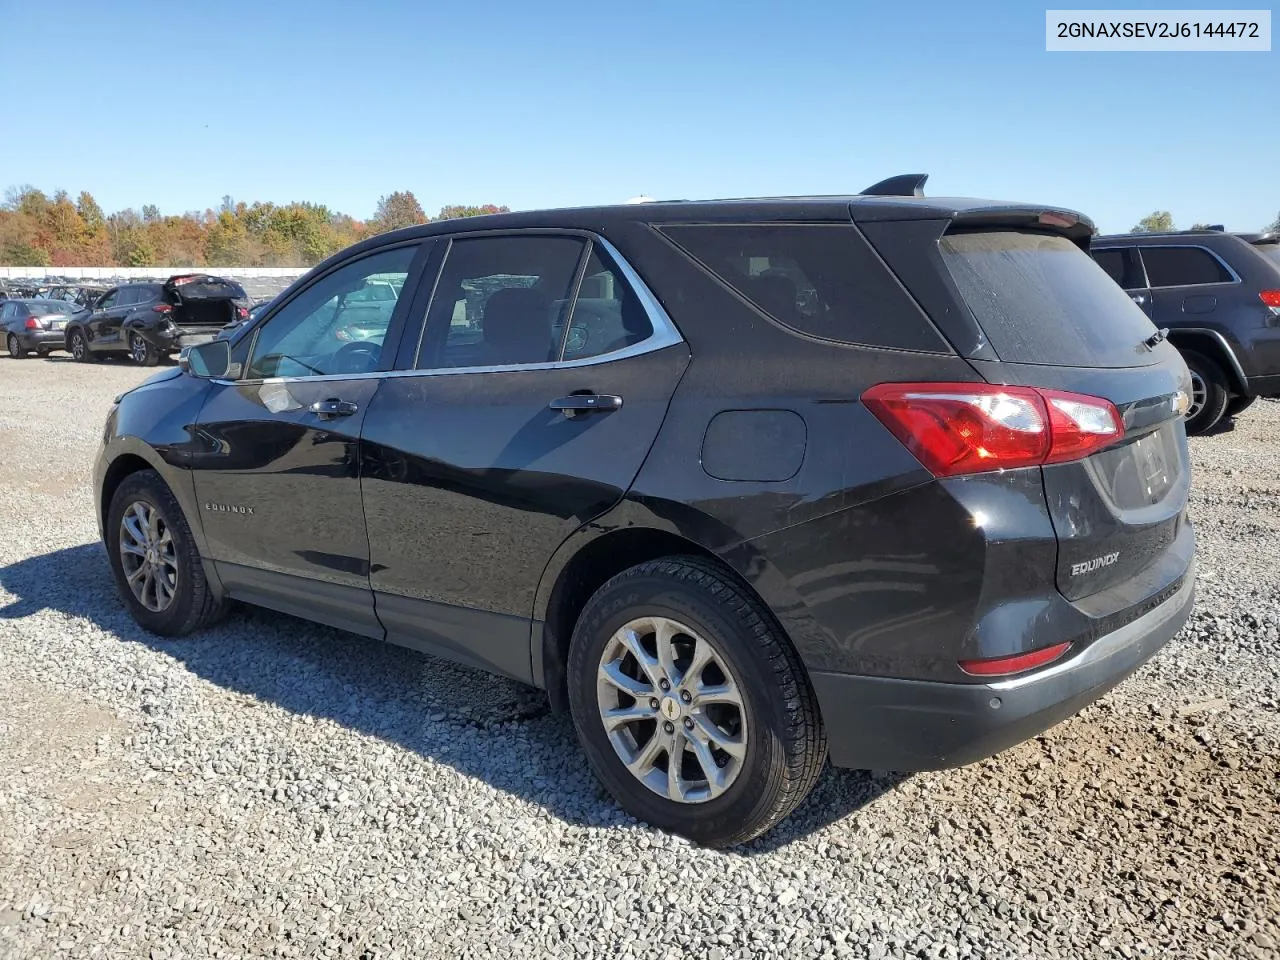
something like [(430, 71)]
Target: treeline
[(56, 231), (1161, 221)]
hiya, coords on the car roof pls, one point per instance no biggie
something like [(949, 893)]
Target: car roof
[(1175, 237)]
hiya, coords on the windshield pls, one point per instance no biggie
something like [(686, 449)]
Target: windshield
[(1041, 299)]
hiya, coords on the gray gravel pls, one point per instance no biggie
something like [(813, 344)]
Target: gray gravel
[(271, 788)]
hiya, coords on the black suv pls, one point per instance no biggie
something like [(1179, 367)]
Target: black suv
[(1218, 295), (150, 321), (737, 482)]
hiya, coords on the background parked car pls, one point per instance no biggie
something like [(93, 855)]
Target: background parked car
[(34, 326), (150, 321), (1218, 294)]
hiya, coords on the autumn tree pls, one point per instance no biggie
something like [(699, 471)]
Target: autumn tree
[(1160, 221), (455, 210), (396, 210), (89, 211)]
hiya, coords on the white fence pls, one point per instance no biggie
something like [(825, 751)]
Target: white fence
[(144, 273)]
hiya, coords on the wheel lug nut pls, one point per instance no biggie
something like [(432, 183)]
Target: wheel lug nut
[(669, 727), (686, 696), (665, 685), (653, 703), (688, 723)]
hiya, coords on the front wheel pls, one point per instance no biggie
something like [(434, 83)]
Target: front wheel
[(693, 708), (143, 351), (16, 350), (79, 347), (1209, 394), (153, 556)]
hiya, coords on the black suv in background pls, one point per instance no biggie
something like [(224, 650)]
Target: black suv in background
[(1218, 294), (150, 321), (737, 482)]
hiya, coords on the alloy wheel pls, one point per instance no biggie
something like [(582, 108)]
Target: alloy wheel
[(138, 348), (1199, 394), (77, 347), (13, 346), (148, 556), (672, 709)]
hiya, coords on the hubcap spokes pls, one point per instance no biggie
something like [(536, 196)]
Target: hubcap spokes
[(148, 556), (139, 349), (1199, 394), (672, 709)]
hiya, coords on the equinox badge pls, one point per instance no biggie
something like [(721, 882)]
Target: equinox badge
[(1088, 566)]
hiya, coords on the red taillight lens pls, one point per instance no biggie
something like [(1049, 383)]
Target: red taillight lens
[(243, 312), (961, 428), (162, 308), (1272, 299), (1004, 666), (32, 323)]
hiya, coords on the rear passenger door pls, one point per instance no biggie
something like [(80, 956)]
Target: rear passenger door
[(1187, 283), (1124, 266), (525, 409)]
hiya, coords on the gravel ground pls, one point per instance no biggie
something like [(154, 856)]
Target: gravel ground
[(271, 788)]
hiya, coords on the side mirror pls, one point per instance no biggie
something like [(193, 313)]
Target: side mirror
[(207, 360)]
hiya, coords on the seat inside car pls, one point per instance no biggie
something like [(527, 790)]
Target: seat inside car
[(516, 328)]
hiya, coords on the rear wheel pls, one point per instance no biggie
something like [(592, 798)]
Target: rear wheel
[(16, 350), (1238, 405), (143, 351), (79, 347), (693, 708), (1209, 394), (153, 556)]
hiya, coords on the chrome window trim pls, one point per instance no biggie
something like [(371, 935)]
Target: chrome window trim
[(664, 335), (1182, 246)]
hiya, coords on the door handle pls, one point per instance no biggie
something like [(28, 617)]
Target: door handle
[(328, 409), (577, 404)]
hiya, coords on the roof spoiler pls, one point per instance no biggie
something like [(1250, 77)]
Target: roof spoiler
[(903, 185)]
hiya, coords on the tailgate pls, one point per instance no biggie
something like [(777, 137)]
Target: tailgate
[(1043, 314)]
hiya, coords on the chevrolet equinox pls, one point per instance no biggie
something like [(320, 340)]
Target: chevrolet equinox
[(741, 484)]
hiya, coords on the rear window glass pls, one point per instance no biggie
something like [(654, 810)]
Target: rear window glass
[(52, 307), (1041, 299), (1183, 266), (819, 279), (1269, 250), (209, 288)]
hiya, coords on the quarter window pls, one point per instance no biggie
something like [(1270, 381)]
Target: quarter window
[(501, 301), (1183, 266), (607, 315), (338, 324)]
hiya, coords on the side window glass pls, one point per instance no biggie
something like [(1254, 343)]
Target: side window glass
[(6, 311), (501, 301), (1182, 266), (1123, 267), (338, 324), (607, 315), (144, 294), (108, 301)]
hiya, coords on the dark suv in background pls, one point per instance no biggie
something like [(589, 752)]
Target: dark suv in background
[(150, 321), (1218, 294), (736, 482)]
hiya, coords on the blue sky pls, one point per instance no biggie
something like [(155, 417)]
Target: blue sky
[(560, 102)]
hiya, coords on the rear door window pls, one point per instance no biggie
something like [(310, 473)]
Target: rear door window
[(1040, 299), (1183, 267), (1123, 266)]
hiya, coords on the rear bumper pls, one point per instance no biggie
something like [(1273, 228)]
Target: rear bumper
[(42, 339), (883, 723)]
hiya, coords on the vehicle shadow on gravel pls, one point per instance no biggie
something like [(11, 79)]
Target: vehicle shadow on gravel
[(483, 726)]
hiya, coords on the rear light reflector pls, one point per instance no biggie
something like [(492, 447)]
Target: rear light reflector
[(1272, 299), (962, 428), (32, 323), (1018, 663), (242, 311)]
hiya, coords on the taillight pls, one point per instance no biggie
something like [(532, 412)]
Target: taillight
[(32, 323), (243, 312), (1018, 663), (1272, 299), (961, 428), (162, 308)]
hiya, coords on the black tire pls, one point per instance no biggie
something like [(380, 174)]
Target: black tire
[(78, 347), (193, 604), (142, 351), (1238, 405), (16, 350), (786, 747), (1212, 382)]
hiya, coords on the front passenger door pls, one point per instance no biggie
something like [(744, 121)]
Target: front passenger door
[(99, 321), (278, 475)]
